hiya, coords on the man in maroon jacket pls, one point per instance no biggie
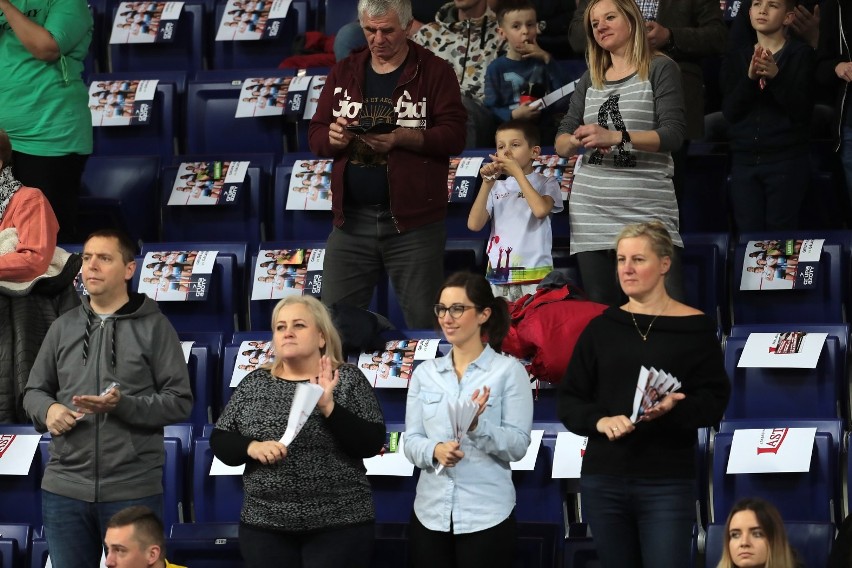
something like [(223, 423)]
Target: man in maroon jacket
[(391, 116)]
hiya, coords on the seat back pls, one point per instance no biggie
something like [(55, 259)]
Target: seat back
[(120, 191), (215, 498), (21, 494), (821, 304), (259, 53), (185, 53), (15, 544), (789, 393), (808, 496), (174, 469), (289, 224), (205, 545), (704, 263), (158, 137), (218, 311), (211, 107)]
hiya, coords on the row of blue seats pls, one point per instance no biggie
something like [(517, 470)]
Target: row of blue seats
[(543, 503), (194, 47), (760, 393)]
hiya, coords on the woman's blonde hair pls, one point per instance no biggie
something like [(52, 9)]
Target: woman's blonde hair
[(333, 346), (638, 51), (655, 232), (778, 551)]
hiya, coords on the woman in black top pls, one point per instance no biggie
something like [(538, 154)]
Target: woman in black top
[(308, 504), (638, 479)]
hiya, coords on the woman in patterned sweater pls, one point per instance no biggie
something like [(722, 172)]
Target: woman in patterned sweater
[(307, 504), (628, 113)]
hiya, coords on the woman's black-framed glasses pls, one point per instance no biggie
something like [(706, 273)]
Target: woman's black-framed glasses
[(456, 310)]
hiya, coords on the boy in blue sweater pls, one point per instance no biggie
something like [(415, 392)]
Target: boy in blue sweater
[(768, 102), (515, 81)]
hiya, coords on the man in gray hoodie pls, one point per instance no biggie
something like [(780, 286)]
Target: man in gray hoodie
[(109, 375)]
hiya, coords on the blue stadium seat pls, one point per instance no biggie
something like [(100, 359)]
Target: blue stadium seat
[(205, 545), (704, 205), (21, 494), (338, 13), (212, 127), (230, 359), (38, 553), (201, 377), (840, 237), (238, 251), (159, 137), (242, 221), (839, 331), (704, 262), (393, 495), (215, 498), (811, 541), (290, 224), (809, 496), (465, 255), (183, 431), (789, 393), (185, 53), (218, 311), (174, 469), (120, 191), (821, 304), (260, 311), (260, 53), (540, 505), (14, 545)]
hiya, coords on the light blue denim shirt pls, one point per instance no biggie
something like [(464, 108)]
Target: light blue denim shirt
[(478, 492)]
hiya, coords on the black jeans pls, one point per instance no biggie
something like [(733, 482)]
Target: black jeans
[(346, 547), (490, 548)]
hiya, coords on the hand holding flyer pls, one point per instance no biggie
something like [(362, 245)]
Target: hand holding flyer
[(462, 414), (652, 387), (306, 398)]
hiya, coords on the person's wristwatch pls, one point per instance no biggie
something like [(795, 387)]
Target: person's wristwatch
[(626, 143)]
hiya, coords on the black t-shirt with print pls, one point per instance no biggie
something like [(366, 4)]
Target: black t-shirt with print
[(366, 175)]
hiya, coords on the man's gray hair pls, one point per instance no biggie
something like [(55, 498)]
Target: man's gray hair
[(377, 8)]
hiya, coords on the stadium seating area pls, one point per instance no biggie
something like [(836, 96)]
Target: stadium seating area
[(127, 184)]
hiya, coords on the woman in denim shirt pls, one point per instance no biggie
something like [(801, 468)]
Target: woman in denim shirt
[(463, 513)]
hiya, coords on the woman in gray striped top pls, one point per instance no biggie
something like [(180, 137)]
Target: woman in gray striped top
[(627, 112)]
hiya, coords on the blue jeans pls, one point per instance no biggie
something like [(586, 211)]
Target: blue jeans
[(345, 547), (640, 522), (75, 529)]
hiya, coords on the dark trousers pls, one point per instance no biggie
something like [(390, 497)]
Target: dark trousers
[(58, 177), (600, 279), (414, 260), (640, 523), (490, 548), (75, 529), (768, 197), (346, 547)]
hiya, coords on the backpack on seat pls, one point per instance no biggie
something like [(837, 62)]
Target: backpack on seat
[(545, 327)]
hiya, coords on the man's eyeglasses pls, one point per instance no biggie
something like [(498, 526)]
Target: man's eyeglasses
[(456, 310)]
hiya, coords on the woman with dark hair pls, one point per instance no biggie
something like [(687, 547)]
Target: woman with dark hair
[(756, 538), (638, 476), (463, 512)]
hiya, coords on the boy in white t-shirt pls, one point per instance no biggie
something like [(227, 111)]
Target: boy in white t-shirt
[(519, 248)]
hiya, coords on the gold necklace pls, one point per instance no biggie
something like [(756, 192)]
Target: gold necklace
[(644, 336)]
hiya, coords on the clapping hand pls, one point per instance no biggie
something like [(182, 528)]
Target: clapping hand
[(480, 399), (328, 380)]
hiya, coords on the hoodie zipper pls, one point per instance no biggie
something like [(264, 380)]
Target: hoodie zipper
[(844, 48), (96, 418)]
